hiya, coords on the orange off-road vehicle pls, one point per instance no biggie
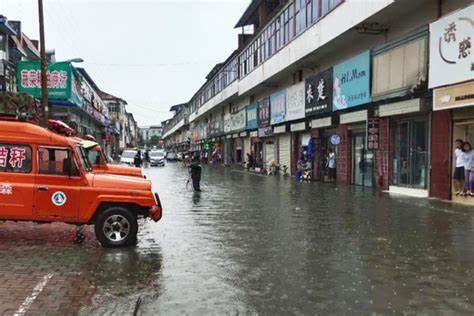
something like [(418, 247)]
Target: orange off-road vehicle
[(100, 162), (46, 177)]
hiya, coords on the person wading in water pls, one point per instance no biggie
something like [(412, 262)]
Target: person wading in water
[(195, 171)]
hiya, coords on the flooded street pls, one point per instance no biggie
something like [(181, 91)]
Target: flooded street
[(253, 244)]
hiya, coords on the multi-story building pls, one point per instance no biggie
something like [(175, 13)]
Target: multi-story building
[(347, 77), (131, 130), (151, 135)]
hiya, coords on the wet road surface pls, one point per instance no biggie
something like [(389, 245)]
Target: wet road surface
[(252, 244)]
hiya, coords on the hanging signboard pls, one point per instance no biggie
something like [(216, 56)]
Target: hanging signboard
[(295, 102), (251, 112), (278, 107), (373, 135), (351, 82), (58, 78), (454, 96), (264, 112), (318, 93), (451, 51)]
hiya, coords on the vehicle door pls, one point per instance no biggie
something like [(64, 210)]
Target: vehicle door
[(16, 181), (58, 184)]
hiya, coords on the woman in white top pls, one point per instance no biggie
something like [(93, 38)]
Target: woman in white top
[(459, 173)]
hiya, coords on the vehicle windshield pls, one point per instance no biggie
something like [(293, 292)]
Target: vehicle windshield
[(94, 157), (129, 154), (84, 159), (157, 153)]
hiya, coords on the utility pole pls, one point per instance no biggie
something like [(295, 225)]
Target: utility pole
[(44, 82)]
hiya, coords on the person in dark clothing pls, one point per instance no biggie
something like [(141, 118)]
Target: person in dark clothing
[(195, 171), (137, 161)]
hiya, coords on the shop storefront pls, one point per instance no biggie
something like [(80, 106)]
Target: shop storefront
[(453, 102), (322, 129), (238, 125), (409, 146), (361, 157), (351, 89)]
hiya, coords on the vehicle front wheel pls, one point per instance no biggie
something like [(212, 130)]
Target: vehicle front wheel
[(116, 227)]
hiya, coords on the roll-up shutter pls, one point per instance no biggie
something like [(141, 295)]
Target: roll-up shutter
[(246, 147), (284, 152), (269, 153)]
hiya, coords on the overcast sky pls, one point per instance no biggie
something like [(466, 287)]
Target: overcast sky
[(151, 53)]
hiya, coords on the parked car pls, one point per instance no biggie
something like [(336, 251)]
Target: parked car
[(157, 157), (128, 156), (47, 177), (170, 156)]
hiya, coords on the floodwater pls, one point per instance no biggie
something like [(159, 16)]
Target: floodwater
[(251, 244)]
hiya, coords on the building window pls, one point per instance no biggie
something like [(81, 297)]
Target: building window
[(55, 161)]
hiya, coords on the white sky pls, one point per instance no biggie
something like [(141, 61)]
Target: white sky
[(151, 53)]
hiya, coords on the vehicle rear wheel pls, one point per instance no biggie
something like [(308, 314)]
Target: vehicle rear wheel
[(116, 227)]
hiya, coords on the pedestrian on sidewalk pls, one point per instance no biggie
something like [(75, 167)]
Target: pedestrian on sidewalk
[(459, 170), (468, 158), (195, 171)]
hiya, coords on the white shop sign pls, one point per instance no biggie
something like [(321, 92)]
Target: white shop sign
[(295, 103), (399, 108), (322, 122), (298, 127), (254, 134), (279, 129), (353, 117), (451, 48)]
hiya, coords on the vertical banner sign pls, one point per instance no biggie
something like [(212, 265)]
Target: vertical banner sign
[(318, 93), (58, 78), (264, 112), (227, 123), (238, 120), (252, 120), (351, 82), (278, 107), (295, 102), (373, 133), (451, 51)]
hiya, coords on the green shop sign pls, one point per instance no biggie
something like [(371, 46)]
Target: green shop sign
[(59, 78)]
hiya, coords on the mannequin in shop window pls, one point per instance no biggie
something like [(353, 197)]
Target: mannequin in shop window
[(331, 161)]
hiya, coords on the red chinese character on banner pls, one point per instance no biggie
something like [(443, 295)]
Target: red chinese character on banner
[(54, 83), (17, 156), (33, 79), (24, 78), (62, 82), (3, 156)]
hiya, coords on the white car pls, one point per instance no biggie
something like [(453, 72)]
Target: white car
[(157, 157), (128, 157), (170, 156)]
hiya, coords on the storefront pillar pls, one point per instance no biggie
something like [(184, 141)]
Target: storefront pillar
[(343, 156), (382, 156), (440, 173)]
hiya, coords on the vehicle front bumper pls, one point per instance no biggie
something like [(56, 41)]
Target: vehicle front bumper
[(155, 212)]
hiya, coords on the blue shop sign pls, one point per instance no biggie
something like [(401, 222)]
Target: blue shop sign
[(252, 117), (351, 86), (278, 107)]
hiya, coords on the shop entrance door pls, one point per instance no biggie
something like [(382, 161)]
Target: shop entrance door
[(362, 162), (410, 161)]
